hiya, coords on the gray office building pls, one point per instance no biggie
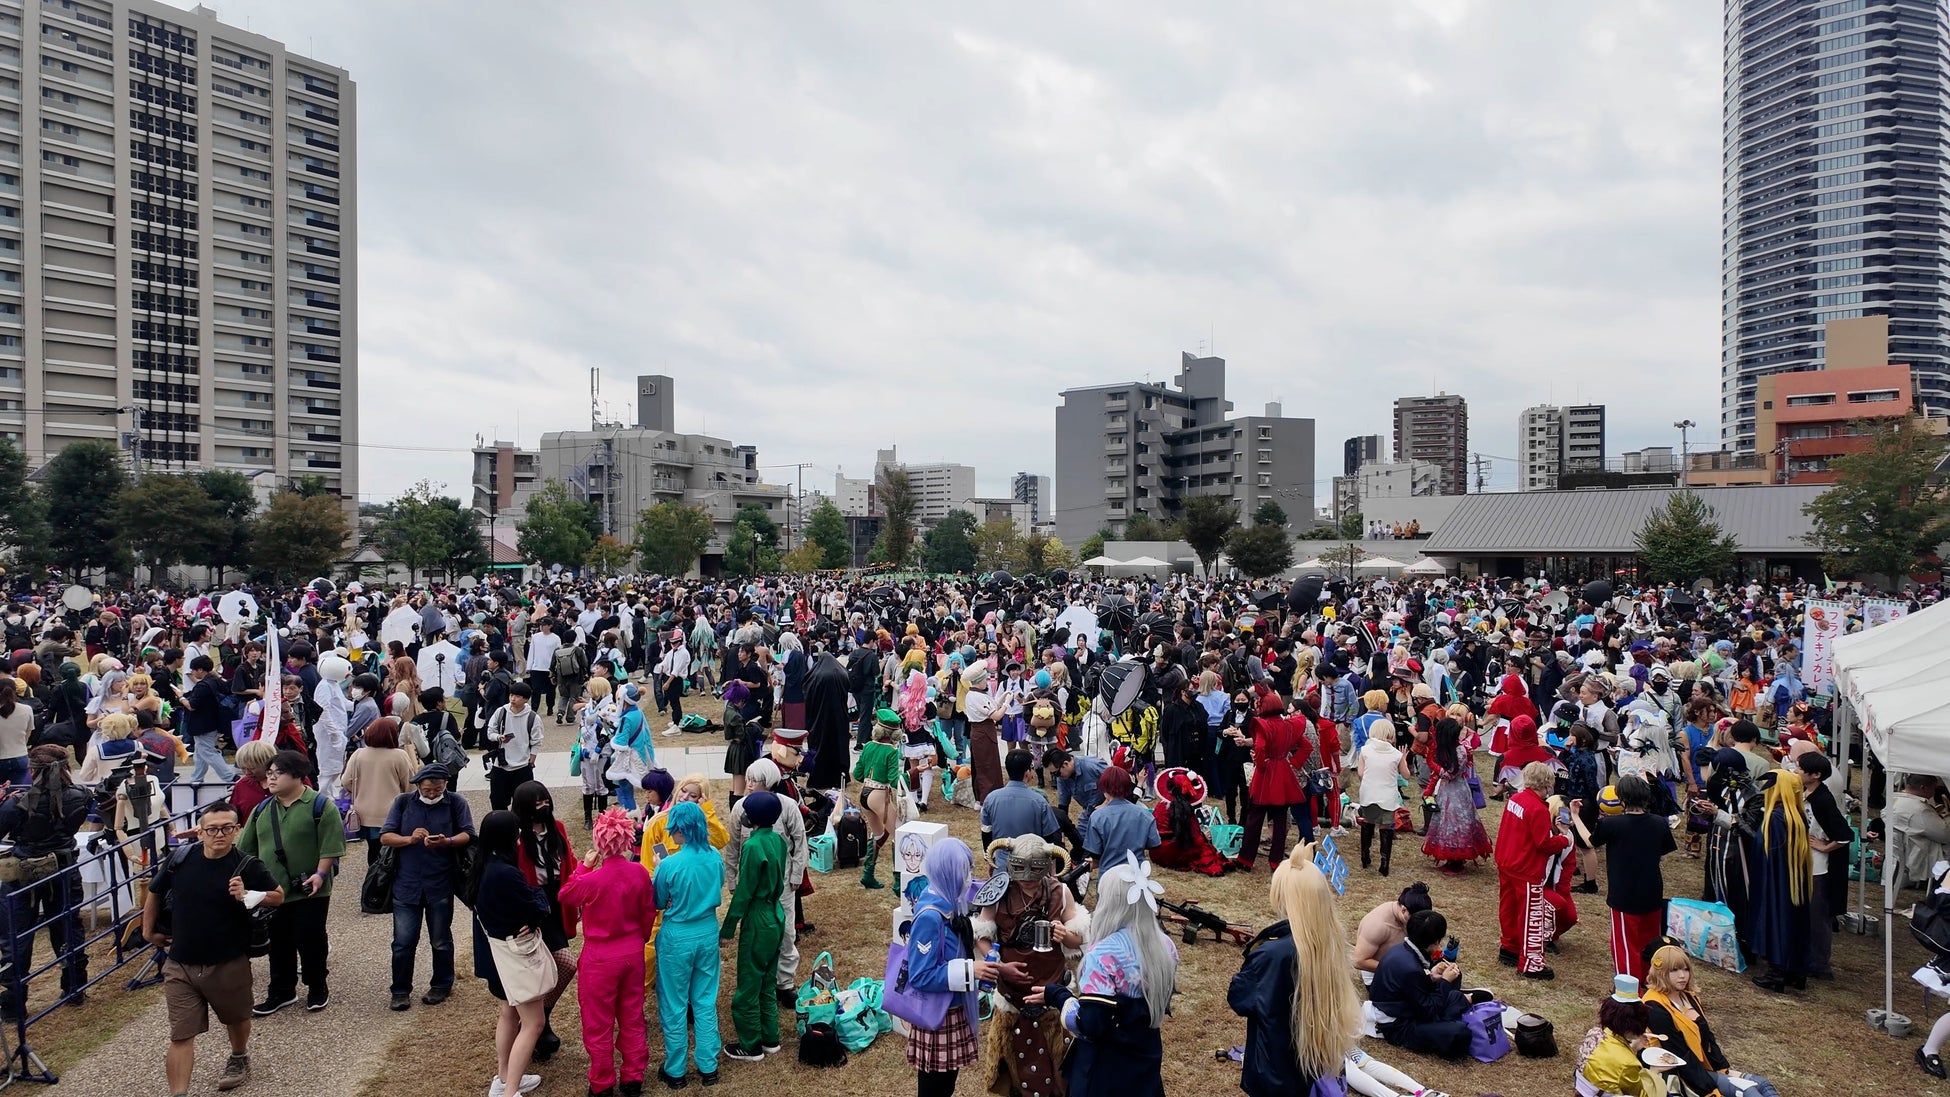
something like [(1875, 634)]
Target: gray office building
[(1836, 200), (1144, 448)]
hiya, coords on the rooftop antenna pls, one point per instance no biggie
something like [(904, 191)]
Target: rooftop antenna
[(595, 398)]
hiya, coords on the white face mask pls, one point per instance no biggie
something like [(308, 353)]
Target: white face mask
[(430, 801), (356, 693)]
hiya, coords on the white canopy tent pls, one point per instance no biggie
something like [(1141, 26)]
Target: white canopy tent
[(1893, 682), (1425, 566), (1380, 563), (1102, 562), (1314, 564), (1143, 562)]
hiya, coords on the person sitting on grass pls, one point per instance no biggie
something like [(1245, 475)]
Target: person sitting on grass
[(1415, 990)]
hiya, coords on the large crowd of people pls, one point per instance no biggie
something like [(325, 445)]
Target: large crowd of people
[(1191, 725)]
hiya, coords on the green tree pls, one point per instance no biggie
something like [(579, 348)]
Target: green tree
[(23, 521), (463, 551), (753, 547), (77, 494), (1093, 545), (826, 528), (998, 546), (298, 537), (1056, 554), (311, 486), (1680, 542), (411, 531), (229, 544), (607, 556), (556, 527), (1207, 521), (1269, 513), (1260, 550), (1143, 527), (898, 502), (950, 545), (671, 536), (165, 519), (1343, 558), (1353, 526), (1889, 508), (803, 559), (1034, 551)]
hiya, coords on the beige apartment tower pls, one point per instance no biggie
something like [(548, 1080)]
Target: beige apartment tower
[(178, 242)]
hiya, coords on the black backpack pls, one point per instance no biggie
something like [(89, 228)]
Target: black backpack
[(849, 840), (259, 942)]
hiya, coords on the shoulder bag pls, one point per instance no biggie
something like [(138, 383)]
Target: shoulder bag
[(524, 964)]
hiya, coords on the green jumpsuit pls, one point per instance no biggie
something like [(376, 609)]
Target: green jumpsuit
[(761, 881)]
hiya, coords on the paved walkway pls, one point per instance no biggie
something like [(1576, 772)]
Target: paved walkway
[(293, 1051)]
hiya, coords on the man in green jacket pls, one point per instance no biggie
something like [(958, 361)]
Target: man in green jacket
[(300, 838), (755, 902)]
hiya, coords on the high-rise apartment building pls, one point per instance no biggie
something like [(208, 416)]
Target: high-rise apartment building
[(178, 242), (1552, 441), (938, 487), (1358, 451), (1835, 199), (1144, 448), (1436, 429), (1027, 487)]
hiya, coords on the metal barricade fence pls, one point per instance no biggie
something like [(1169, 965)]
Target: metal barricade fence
[(106, 876)]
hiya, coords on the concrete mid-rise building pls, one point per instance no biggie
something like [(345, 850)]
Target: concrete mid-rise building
[(938, 487), (1032, 490), (1835, 199), (1358, 451), (1141, 447), (853, 495), (1552, 441), (178, 242), (627, 470), (1435, 428)]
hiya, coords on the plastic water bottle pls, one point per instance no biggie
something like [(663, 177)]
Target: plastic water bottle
[(994, 957)]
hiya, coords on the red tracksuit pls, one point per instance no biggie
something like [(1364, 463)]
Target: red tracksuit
[(618, 905), (1527, 866)]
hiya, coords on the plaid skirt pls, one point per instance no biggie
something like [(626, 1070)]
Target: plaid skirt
[(950, 1047)]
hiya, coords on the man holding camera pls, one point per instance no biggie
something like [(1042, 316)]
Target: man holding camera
[(300, 837), (207, 888)]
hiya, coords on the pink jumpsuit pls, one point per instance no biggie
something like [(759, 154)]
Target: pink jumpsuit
[(618, 905)]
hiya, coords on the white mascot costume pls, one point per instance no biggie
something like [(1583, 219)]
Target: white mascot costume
[(334, 713)]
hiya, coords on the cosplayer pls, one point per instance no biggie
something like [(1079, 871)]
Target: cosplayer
[(1531, 853), (1124, 986), (791, 825), (1181, 817), (1024, 1045), (878, 770), (618, 904), (756, 906)]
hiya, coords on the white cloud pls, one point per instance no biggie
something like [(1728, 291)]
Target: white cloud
[(842, 225)]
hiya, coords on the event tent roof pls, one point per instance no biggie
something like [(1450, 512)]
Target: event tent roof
[(1894, 677), (1763, 521)]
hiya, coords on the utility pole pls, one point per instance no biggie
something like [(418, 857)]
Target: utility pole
[(1482, 466), (1684, 425), (796, 513)]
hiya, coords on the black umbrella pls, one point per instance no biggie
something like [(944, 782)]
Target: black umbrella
[(1059, 576), (1118, 688), (1268, 599), (1001, 580)]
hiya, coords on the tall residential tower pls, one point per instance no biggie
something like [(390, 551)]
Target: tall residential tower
[(178, 242), (1835, 200)]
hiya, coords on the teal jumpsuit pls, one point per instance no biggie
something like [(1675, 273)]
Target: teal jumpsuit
[(761, 879), (690, 885)]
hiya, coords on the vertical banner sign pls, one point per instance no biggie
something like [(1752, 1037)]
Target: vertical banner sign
[(1825, 622), (268, 720), (1881, 611)]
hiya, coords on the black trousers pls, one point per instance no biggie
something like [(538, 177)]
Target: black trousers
[(542, 685), (503, 782), (298, 939)]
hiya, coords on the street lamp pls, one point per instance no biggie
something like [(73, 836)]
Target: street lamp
[(1683, 426)]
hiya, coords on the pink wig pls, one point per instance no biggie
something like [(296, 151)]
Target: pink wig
[(913, 701), (613, 833)]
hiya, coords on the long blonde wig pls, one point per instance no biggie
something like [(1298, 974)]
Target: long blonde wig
[(1326, 1014), (1785, 794)]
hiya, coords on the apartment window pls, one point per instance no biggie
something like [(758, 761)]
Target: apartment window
[(1873, 396), (253, 173), (255, 314), (1811, 400), (9, 341), (255, 341), (249, 145)]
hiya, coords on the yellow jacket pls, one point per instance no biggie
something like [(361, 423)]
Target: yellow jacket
[(658, 844), (1613, 1067)]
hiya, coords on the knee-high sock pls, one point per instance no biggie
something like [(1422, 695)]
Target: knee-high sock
[(927, 784)]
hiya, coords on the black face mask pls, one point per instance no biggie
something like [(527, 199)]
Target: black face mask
[(1240, 708), (544, 815), (1661, 687)]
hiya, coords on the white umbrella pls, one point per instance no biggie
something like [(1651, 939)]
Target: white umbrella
[(1425, 566), (1378, 563), (1102, 562), (1144, 562)]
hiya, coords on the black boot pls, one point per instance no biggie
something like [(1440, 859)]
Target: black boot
[(1387, 849), (867, 879), (588, 812), (1367, 844)]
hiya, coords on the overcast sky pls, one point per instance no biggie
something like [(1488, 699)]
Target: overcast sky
[(844, 226)]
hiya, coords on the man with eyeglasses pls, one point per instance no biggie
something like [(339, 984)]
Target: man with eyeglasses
[(209, 888), (300, 837)]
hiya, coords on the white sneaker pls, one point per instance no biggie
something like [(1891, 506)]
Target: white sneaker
[(529, 1082)]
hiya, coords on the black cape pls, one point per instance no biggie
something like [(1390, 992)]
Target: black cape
[(826, 723)]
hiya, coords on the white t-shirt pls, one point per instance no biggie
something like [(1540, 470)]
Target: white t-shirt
[(542, 647)]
